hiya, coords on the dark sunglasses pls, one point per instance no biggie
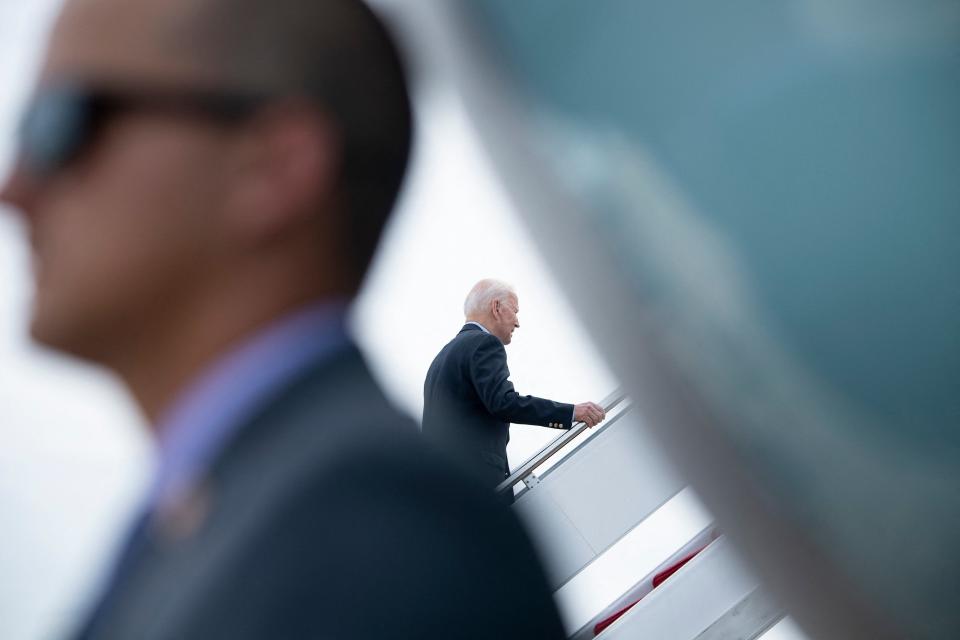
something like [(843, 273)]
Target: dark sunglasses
[(62, 121)]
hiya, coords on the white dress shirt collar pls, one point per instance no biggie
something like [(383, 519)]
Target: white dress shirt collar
[(483, 328)]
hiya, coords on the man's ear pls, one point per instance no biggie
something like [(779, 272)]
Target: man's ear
[(287, 166)]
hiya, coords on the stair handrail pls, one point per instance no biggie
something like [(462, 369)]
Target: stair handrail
[(554, 446)]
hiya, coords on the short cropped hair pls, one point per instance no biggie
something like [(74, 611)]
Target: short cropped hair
[(338, 53), (485, 292)]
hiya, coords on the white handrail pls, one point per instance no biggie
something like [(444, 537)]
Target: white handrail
[(528, 467)]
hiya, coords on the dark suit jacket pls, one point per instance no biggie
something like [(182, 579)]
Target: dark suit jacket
[(469, 403), (328, 517)]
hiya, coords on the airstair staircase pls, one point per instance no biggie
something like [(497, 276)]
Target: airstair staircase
[(603, 502)]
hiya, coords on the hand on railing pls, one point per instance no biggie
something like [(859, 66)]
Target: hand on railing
[(528, 467), (589, 413)]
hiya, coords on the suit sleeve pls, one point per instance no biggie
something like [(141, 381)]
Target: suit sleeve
[(491, 379)]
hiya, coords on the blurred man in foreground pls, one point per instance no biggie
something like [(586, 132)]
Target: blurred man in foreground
[(468, 399), (204, 183)]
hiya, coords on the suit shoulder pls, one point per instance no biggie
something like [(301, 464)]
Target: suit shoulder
[(395, 504), (338, 406), (465, 344), (483, 340)]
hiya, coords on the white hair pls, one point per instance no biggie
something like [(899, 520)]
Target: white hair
[(483, 293)]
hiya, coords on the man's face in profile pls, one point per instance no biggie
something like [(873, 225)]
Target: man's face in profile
[(123, 229), (508, 320)]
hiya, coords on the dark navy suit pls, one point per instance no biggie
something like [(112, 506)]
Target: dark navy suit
[(327, 517), (469, 403)]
